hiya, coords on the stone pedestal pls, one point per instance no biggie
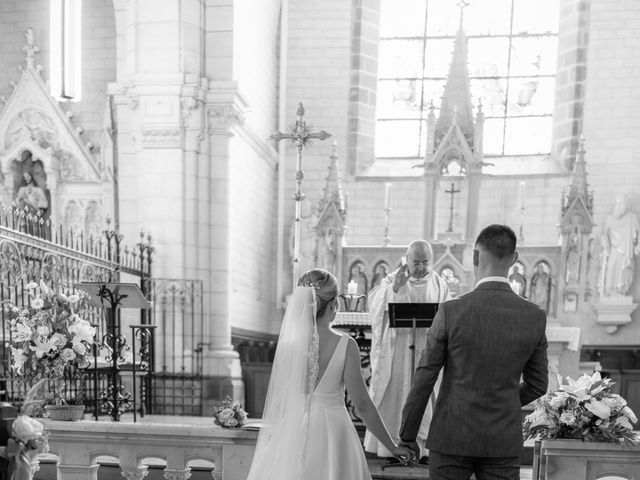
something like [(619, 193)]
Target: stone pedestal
[(578, 460), (614, 312)]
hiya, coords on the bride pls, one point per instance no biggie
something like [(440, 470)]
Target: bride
[(307, 432)]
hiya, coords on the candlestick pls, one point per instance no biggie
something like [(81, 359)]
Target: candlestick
[(352, 288), (387, 195), (522, 185)]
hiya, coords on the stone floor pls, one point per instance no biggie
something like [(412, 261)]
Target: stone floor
[(404, 473)]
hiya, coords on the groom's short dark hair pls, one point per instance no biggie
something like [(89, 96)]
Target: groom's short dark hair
[(499, 240)]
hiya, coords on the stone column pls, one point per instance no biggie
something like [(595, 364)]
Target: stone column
[(135, 473), (221, 362), (177, 474)]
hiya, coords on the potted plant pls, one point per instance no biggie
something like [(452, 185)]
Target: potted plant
[(47, 338)]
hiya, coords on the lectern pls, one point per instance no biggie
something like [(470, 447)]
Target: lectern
[(113, 297), (413, 316)]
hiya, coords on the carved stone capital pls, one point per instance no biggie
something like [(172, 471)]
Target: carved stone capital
[(135, 473), (222, 117), (189, 105), (174, 474)]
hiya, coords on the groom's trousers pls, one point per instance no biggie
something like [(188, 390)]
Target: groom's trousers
[(454, 467)]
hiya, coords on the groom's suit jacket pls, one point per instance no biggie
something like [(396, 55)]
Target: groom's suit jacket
[(486, 341)]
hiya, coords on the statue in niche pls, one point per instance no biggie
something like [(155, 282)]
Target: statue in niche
[(517, 279), (356, 274), (328, 250), (93, 220), (73, 216), (540, 291), (620, 246), (592, 269), (30, 186), (380, 271), (572, 275), (308, 242)]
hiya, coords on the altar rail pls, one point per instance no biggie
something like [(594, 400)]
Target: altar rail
[(78, 446)]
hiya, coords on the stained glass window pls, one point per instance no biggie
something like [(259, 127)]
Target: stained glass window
[(512, 47)]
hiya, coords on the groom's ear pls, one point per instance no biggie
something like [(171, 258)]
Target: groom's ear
[(516, 256), (475, 257)]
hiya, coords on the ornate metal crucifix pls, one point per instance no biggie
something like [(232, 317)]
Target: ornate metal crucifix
[(451, 192), (300, 136)]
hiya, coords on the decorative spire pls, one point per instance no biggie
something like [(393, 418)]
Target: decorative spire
[(30, 49), (456, 100), (333, 184), (579, 186)]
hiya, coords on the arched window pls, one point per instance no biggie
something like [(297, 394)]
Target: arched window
[(512, 47)]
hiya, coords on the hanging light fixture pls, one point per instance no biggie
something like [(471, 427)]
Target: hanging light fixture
[(66, 50)]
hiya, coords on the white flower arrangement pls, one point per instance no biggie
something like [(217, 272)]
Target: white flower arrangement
[(230, 414), (49, 335), (582, 409)]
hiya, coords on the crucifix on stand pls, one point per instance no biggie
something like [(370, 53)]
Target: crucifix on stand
[(301, 136), (451, 192)]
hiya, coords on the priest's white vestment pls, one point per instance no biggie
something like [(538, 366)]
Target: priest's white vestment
[(391, 356)]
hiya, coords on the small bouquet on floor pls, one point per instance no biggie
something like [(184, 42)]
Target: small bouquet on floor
[(583, 409), (28, 439), (230, 414)]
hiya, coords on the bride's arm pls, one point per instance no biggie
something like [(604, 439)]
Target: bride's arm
[(359, 395)]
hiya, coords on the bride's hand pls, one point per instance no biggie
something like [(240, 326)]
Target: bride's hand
[(404, 454)]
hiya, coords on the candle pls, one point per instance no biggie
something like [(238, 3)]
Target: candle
[(522, 184), (387, 195), (352, 288)]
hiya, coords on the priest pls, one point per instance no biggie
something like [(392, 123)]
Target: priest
[(413, 282)]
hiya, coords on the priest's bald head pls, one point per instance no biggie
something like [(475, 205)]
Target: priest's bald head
[(419, 255)]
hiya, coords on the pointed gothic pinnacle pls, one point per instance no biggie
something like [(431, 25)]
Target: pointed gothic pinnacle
[(300, 110)]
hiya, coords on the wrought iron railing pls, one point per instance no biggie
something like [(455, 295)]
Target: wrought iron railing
[(33, 248)]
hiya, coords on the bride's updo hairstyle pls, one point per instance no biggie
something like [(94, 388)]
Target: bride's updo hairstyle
[(325, 285)]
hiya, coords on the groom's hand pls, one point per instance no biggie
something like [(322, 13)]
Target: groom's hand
[(413, 446)]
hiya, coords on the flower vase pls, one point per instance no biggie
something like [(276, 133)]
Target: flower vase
[(65, 412)]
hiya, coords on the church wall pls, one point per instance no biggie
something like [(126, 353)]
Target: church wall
[(611, 125), (499, 203), (318, 74), (256, 32), (98, 54)]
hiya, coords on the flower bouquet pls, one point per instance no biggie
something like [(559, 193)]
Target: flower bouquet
[(582, 409), (28, 439), (48, 336), (230, 414)]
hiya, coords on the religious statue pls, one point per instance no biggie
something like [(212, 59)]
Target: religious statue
[(357, 275), (327, 252), (572, 274), (517, 279), (620, 246), (32, 197), (541, 286), (414, 282)]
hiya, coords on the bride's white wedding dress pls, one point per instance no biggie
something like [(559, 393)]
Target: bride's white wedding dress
[(306, 432), (333, 451)]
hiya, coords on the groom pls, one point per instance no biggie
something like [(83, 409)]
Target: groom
[(486, 341)]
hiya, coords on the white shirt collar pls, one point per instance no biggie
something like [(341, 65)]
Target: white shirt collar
[(493, 279)]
